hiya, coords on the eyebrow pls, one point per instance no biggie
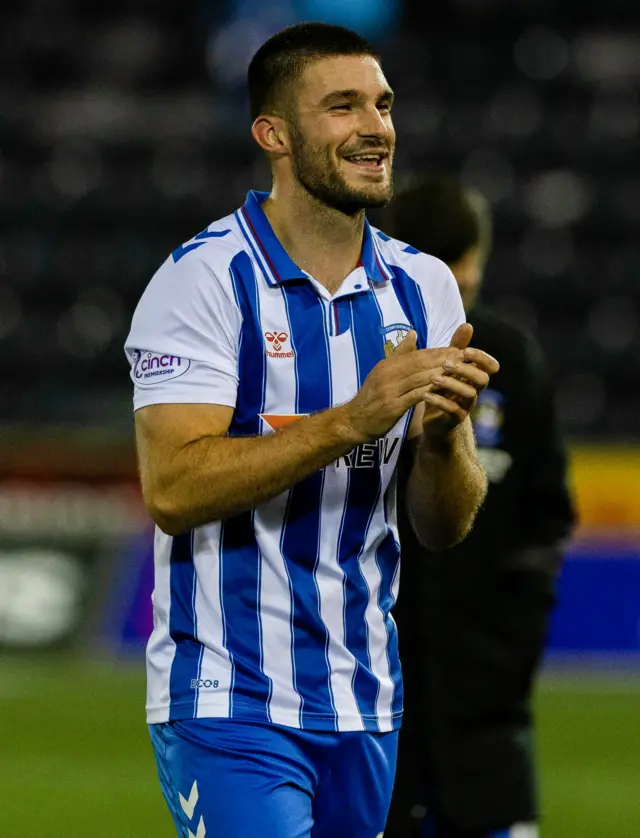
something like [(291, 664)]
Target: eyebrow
[(337, 95)]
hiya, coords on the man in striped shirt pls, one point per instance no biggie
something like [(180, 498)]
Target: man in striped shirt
[(282, 360)]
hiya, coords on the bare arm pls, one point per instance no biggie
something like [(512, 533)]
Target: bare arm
[(193, 474), (446, 488), (447, 484)]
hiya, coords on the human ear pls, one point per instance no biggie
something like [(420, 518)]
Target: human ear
[(270, 134)]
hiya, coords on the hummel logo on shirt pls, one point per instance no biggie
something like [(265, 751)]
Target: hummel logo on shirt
[(277, 341)]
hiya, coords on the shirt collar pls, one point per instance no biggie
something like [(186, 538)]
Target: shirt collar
[(277, 266), (375, 267)]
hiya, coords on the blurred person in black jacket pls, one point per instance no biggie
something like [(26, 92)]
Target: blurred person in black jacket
[(473, 620)]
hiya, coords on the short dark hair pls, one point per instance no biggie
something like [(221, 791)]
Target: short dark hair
[(283, 57), (436, 215)]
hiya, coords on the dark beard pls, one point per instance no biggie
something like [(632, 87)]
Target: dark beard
[(316, 174)]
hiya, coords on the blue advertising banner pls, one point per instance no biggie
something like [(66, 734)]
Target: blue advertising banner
[(598, 609)]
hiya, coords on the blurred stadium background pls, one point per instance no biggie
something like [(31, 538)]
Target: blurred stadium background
[(123, 131)]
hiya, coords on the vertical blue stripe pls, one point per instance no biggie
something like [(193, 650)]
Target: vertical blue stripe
[(241, 593), (251, 357), (410, 299), (183, 627), (300, 542), (260, 629), (201, 655), (197, 698), (240, 561), (363, 494), (387, 558), (224, 621)]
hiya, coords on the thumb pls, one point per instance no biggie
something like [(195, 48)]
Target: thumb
[(407, 344), (462, 336)]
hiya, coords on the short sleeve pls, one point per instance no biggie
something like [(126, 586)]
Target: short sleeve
[(183, 343), (444, 308)]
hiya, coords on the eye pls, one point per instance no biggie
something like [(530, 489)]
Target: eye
[(384, 106), (345, 107)]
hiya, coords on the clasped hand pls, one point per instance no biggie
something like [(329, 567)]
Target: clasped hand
[(446, 381), (456, 387)]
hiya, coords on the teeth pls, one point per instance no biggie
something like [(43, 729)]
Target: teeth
[(374, 157)]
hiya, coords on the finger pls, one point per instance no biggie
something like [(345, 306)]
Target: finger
[(435, 377), (424, 394), (454, 386), (426, 359), (414, 397), (482, 359), (467, 372), (418, 380), (446, 405), (462, 336), (407, 344)]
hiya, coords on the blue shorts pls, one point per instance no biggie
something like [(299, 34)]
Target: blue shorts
[(233, 779)]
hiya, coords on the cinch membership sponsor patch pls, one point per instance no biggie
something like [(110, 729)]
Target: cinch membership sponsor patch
[(150, 367)]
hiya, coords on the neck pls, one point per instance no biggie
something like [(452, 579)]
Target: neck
[(323, 241)]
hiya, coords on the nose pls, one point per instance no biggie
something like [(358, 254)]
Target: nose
[(374, 123)]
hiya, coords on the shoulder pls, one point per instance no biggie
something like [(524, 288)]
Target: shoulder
[(200, 266), (213, 248), (194, 285), (432, 275)]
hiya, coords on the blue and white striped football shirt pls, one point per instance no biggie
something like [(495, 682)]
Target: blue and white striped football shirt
[(281, 614)]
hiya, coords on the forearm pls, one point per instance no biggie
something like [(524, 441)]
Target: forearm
[(214, 477), (446, 487)]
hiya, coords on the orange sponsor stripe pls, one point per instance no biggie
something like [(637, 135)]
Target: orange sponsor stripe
[(277, 421)]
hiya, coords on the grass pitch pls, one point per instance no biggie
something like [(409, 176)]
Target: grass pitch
[(75, 759)]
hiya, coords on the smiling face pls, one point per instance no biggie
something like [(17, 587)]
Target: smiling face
[(341, 134)]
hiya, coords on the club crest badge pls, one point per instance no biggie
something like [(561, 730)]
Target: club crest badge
[(393, 335)]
